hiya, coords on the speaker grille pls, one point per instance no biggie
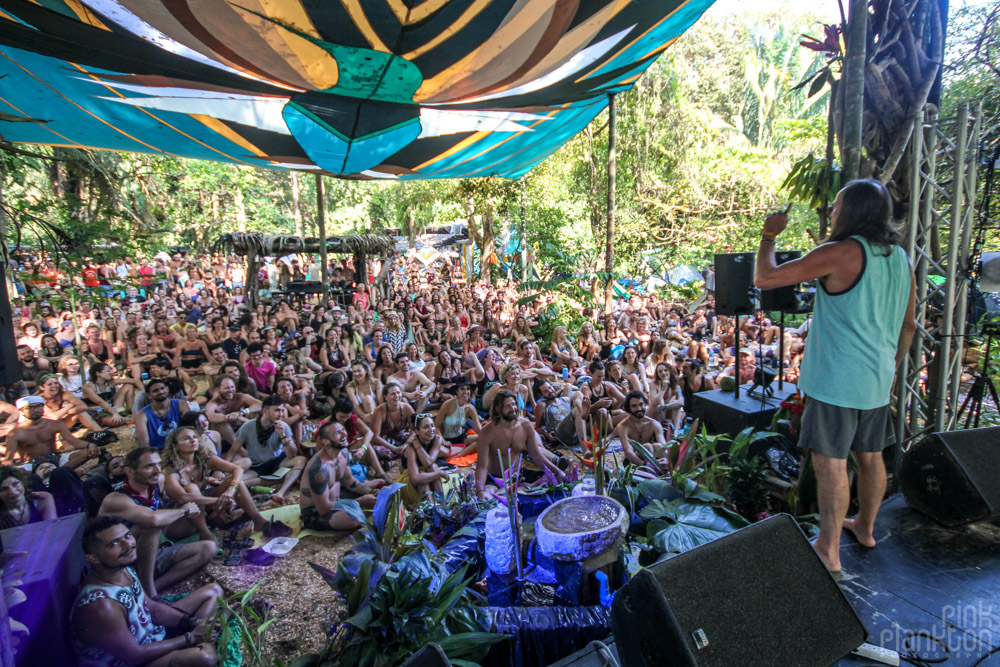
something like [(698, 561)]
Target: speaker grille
[(760, 596), (954, 477), (733, 280)]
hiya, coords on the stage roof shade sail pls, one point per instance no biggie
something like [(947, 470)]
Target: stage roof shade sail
[(408, 89)]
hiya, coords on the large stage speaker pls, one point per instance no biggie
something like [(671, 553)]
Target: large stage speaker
[(733, 280), (431, 655), (782, 298), (10, 372), (760, 596), (954, 477)]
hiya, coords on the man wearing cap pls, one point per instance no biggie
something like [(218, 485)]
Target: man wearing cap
[(154, 422), (235, 343), (35, 436)]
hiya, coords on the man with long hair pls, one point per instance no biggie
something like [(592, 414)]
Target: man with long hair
[(510, 432), (862, 327)]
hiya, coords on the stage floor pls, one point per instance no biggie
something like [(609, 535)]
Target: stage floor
[(924, 578), (920, 578)]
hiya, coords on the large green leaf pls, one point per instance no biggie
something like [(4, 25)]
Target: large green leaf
[(692, 525), (659, 489)]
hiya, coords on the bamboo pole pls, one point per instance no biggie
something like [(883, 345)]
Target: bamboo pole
[(609, 251), (324, 268)]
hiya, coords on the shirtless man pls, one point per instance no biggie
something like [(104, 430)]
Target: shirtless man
[(138, 500), (531, 366), (63, 406), (748, 366), (417, 388), (229, 409), (642, 431), (328, 478), (35, 436), (509, 432)]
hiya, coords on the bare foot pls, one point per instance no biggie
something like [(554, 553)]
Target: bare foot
[(831, 560), (865, 539)]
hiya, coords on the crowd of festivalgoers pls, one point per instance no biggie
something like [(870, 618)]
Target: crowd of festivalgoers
[(318, 401)]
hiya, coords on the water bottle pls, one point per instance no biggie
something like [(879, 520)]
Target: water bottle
[(565, 373), (586, 487), (711, 359)]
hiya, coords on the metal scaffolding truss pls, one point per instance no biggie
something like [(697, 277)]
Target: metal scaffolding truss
[(943, 196)]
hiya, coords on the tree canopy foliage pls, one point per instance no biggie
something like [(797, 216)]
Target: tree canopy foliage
[(706, 139)]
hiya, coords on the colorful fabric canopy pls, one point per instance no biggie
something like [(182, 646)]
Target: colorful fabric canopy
[(356, 88)]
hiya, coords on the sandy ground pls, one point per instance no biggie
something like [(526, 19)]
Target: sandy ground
[(303, 603)]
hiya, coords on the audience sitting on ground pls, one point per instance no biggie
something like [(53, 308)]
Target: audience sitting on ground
[(229, 389)]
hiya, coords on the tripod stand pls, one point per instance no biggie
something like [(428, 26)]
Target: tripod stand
[(981, 383)]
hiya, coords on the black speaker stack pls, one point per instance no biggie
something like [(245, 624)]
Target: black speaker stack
[(954, 477), (734, 273), (785, 299), (760, 596), (733, 282)]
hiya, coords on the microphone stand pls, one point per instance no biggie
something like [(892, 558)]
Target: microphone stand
[(736, 374), (781, 350)]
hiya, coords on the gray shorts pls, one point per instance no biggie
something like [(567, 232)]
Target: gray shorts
[(166, 554), (834, 431)]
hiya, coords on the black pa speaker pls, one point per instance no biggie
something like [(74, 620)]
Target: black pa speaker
[(785, 298), (760, 596), (10, 372), (733, 281), (431, 655), (954, 477)]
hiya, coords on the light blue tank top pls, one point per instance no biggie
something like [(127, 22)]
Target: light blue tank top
[(849, 360)]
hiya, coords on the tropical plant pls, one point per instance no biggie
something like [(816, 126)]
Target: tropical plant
[(381, 540), (442, 519), (417, 601), (685, 516), (747, 481), (243, 621), (710, 466)]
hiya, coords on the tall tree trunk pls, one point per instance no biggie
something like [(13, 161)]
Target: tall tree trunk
[(609, 250), (488, 247), (215, 208), (854, 88), (409, 226), (296, 205), (324, 267), (241, 210)]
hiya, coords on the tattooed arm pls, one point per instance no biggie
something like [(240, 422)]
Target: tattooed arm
[(324, 489)]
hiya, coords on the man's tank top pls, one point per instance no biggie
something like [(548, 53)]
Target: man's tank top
[(849, 359)]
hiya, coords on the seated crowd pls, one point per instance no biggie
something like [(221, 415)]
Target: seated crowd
[(318, 402)]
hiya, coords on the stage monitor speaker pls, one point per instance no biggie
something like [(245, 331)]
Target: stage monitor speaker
[(989, 272), (954, 477), (431, 655), (10, 372), (733, 281), (782, 298), (760, 596)]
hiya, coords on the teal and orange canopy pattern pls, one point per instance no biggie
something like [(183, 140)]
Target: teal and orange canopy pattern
[(356, 88)]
